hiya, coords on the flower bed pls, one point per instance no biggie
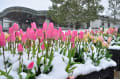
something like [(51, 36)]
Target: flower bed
[(49, 53), (103, 74), (116, 57), (114, 49)]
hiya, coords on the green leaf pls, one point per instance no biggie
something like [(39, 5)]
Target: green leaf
[(20, 76), (47, 69), (71, 69), (61, 51), (20, 68), (5, 74), (73, 52), (51, 58), (64, 53), (30, 76), (39, 60), (9, 70), (68, 69), (46, 45)]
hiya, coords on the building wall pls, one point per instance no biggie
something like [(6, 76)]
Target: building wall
[(0, 22), (96, 23), (7, 23)]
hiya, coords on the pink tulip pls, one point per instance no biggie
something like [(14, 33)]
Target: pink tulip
[(15, 27), (92, 32), (50, 31), (43, 46), (100, 38), (116, 29), (2, 39), (39, 33), (24, 38), (8, 39), (33, 37), (86, 31), (44, 26), (56, 34), (11, 30), (60, 29), (21, 32), (110, 31), (109, 39), (81, 35), (42, 39), (104, 44), (0, 28), (74, 33), (27, 31), (63, 38), (115, 34), (17, 33), (20, 48), (30, 66), (72, 39), (51, 26), (49, 34), (101, 31), (96, 31), (67, 34), (33, 25), (12, 37), (31, 34)]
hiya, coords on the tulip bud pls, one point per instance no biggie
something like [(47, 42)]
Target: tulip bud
[(30, 66)]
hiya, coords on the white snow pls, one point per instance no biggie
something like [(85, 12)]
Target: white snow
[(14, 74), (23, 75), (59, 66), (3, 77), (114, 47), (88, 67), (44, 76)]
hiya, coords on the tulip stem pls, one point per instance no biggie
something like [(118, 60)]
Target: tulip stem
[(4, 60), (38, 48), (28, 53), (20, 59)]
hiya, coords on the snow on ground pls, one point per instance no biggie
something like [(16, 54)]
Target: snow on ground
[(59, 66), (88, 67), (3, 77), (116, 47)]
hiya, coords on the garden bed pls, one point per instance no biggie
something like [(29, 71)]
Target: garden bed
[(103, 74), (50, 53), (115, 56)]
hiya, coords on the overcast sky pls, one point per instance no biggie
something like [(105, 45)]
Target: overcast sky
[(34, 4), (38, 4)]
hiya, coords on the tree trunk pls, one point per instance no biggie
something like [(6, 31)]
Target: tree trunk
[(114, 19)]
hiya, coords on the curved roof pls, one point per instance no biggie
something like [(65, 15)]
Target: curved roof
[(24, 10)]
